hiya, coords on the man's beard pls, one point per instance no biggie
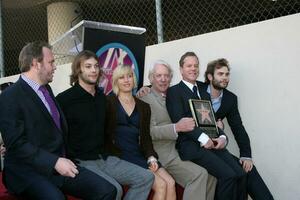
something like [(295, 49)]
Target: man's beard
[(217, 85), (86, 81)]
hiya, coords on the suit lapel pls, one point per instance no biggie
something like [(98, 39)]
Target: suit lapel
[(224, 104), (220, 113), (28, 91), (35, 98), (203, 91), (186, 91), (61, 114)]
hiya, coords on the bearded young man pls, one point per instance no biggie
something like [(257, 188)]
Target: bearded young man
[(225, 104)]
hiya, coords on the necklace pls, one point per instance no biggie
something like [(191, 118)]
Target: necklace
[(126, 100)]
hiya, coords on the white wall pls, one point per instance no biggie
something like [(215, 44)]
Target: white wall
[(61, 80), (265, 63)]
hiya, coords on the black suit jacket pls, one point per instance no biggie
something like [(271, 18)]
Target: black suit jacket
[(33, 142), (178, 107), (229, 109)]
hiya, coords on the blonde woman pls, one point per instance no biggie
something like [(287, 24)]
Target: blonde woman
[(128, 132)]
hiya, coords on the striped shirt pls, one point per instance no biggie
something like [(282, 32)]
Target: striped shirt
[(35, 86)]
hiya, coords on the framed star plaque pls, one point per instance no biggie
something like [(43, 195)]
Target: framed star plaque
[(204, 117)]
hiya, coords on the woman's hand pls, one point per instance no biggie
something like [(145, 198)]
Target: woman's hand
[(153, 166)]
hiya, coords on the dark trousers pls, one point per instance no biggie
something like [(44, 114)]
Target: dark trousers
[(231, 177), (256, 187), (86, 185)]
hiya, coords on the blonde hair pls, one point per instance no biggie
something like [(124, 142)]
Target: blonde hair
[(120, 71)]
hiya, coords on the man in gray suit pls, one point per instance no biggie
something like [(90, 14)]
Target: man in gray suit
[(195, 179)]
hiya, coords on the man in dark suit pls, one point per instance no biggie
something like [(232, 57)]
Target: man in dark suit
[(225, 105), (195, 145), (33, 129)]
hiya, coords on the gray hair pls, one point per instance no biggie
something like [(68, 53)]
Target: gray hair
[(159, 62)]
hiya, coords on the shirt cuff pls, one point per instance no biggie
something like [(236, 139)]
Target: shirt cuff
[(224, 136), (175, 133), (203, 139), (245, 158)]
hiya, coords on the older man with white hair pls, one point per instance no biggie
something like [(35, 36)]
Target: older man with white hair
[(195, 179)]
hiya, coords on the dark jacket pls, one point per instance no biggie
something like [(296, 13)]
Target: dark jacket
[(33, 141), (229, 109), (111, 124), (177, 102)]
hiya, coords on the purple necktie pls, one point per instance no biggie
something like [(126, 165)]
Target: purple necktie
[(54, 112)]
